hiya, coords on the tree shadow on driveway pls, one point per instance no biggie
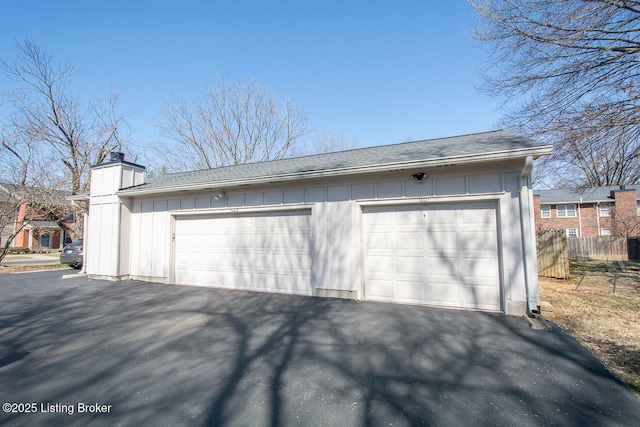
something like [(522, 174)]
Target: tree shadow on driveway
[(166, 355)]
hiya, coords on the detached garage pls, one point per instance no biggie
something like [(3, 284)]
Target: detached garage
[(445, 222)]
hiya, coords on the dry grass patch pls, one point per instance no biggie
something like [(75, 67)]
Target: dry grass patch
[(607, 323), (23, 268)]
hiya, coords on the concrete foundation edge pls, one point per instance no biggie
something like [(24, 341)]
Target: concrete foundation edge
[(516, 308), (336, 293)]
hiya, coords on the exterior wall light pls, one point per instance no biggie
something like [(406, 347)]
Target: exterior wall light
[(219, 196), (419, 176)]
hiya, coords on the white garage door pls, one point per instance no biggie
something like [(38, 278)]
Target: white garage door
[(263, 252), (445, 255)]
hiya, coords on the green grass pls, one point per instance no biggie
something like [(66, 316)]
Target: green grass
[(578, 267), (634, 383), (33, 267)]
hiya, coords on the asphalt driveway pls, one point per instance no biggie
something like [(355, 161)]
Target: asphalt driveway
[(87, 352)]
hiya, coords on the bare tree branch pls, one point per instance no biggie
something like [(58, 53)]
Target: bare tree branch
[(236, 123), (77, 134), (53, 138), (569, 70)]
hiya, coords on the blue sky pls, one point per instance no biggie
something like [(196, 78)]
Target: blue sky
[(382, 72)]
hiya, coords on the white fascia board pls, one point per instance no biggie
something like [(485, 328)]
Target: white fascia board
[(463, 159), (78, 197), (578, 202)]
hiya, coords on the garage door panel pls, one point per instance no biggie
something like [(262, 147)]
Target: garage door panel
[(478, 240), (479, 296), (227, 278), (443, 265), (379, 290), (381, 217), (285, 282), (442, 240), (411, 265), (263, 251), (379, 264), (410, 291), (441, 216), (410, 240), (476, 268), (378, 240), (407, 219), (273, 261), (444, 293), (220, 240), (478, 216), (439, 254)]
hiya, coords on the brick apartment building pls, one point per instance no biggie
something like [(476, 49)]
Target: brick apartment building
[(40, 234), (598, 211)]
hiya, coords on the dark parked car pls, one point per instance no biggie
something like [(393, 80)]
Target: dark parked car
[(72, 254)]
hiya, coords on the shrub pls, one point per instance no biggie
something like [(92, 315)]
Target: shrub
[(19, 250)]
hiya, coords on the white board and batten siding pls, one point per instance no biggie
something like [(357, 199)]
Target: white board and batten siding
[(341, 235), (108, 226)]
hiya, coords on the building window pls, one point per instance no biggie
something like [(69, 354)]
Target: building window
[(45, 241), (638, 208), (605, 209), (606, 232), (572, 232), (566, 211), (545, 211)]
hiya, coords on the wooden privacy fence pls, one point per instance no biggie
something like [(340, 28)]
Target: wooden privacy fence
[(601, 247), (553, 253)]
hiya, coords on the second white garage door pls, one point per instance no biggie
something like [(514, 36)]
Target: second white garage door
[(263, 252), (444, 255)]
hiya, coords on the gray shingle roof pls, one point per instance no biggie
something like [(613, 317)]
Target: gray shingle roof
[(434, 151), (594, 194)]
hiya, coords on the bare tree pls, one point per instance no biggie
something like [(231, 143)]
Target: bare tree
[(27, 192), (625, 223), (236, 123), (75, 134), (568, 71), (48, 133), (326, 142)]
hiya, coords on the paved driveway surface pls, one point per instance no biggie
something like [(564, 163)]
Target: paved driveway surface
[(174, 355)]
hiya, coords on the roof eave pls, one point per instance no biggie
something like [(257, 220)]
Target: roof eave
[(576, 201), (463, 159), (78, 197)]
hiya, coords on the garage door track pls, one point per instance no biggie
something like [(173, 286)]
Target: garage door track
[(87, 352)]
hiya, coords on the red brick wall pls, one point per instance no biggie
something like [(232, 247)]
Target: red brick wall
[(626, 201), (554, 221), (589, 217), (624, 207), (22, 239), (625, 222)]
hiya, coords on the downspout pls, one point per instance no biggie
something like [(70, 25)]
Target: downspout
[(580, 218), (528, 243), (598, 218)]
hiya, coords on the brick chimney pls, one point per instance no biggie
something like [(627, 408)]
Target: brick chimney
[(116, 156), (626, 203)]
